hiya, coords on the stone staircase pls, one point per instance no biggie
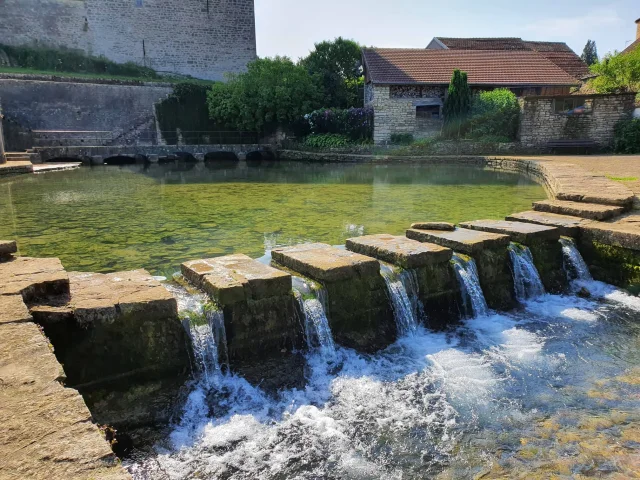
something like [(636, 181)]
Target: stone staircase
[(590, 211)]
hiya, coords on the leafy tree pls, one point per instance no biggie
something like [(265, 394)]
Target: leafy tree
[(457, 103), (338, 64), (617, 73), (273, 91), (590, 53), (495, 114)]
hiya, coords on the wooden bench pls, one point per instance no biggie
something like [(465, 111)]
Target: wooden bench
[(581, 145)]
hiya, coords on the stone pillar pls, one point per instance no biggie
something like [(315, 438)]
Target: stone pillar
[(3, 158)]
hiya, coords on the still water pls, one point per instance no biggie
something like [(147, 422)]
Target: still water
[(155, 217)]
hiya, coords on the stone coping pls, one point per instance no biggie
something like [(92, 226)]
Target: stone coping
[(15, 168), (519, 232), (324, 263), (8, 248), (33, 277), (568, 226), (590, 211), (399, 250), (236, 278), (461, 239), (622, 233)]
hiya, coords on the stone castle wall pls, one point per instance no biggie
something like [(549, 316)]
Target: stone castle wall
[(201, 38), (540, 124)]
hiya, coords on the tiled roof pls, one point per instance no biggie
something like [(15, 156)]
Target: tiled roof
[(558, 53), (632, 47), (484, 67)]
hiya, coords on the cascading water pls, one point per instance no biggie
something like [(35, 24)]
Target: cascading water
[(402, 287), (526, 278), (472, 295), (574, 264), (311, 299)]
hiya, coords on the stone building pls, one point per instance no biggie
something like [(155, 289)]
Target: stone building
[(201, 38), (407, 87)]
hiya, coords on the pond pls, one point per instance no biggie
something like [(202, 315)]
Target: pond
[(112, 218)]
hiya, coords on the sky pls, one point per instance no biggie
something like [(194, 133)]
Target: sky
[(292, 27)]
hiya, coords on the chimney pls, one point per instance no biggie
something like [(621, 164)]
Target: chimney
[(638, 29)]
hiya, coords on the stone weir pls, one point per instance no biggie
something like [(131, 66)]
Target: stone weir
[(489, 250), (543, 241), (437, 284), (358, 308), (259, 317)]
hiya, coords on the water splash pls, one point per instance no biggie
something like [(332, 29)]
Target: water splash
[(475, 304), (402, 287), (574, 265), (526, 278), (312, 301)]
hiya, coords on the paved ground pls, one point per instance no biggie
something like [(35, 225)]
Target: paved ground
[(53, 167)]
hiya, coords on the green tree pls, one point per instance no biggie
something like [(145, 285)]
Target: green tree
[(590, 53), (457, 104), (617, 73), (273, 92), (338, 64), (495, 114)]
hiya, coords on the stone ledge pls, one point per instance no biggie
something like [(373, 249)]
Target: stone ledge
[(399, 250), (519, 232), (325, 263), (7, 248), (236, 278), (590, 211), (33, 278), (566, 224), (461, 240), (624, 233), (47, 430), (13, 310)]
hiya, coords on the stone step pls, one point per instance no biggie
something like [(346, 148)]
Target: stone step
[(7, 249), (591, 211), (236, 278), (461, 240), (524, 233), (569, 226), (33, 278), (400, 251)]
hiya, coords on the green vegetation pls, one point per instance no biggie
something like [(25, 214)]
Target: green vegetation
[(326, 140), (495, 116), (55, 61), (617, 73), (590, 53), (401, 139), (273, 92), (354, 123), (622, 179), (627, 136), (338, 65), (457, 105)]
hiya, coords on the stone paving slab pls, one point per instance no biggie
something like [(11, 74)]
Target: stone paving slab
[(55, 167), (325, 263), (33, 277), (47, 432), (461, 240), (15, 168), (589, 211), (399, 250), (7, 248), (566, 224), (623, 233), (13, 309), (236, 278), (519, 232), (434, 226)]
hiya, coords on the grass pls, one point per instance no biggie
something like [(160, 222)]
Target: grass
[(622, 179), (100, 76)]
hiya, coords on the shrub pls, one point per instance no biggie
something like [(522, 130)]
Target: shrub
[(627, 136), (71, 61), (617, 73), (401, 138), (354, 123), (494, 114), (326, 140), (458, 101)]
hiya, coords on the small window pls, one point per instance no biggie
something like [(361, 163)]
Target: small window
[(573, 106), (428, 111)]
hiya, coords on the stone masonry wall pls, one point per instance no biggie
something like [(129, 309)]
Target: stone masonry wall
[(395, 112), (41, 105), (201, 38), (540, 124)]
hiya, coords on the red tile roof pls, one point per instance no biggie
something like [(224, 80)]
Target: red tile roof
[(484, 67), (632, 47), (483, 43)]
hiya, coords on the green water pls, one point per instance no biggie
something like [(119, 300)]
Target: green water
[(118, 218)]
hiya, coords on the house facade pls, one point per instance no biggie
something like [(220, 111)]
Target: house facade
[(407, 87)]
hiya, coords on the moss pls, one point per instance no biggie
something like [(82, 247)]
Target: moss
[(440, 294), (547, 257), (612, 264), (496, 279)]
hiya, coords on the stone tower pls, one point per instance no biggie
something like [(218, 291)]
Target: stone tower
[(201, 38)]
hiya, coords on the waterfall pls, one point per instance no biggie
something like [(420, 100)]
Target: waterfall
[(574, 264), (312, 300), (526, 278), (402, 287), (474, 303)]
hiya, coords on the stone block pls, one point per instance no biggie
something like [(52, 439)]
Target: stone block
[(399, 250), (489, 250), (97, 160), (7, 249), (434, 226), (569, 226), (33, 278), (589, 211), (358, 308), (13, 309), (524, 233)]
